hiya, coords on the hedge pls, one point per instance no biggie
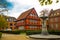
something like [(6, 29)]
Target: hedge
[(54, 32), (11, 32), (30, 32)]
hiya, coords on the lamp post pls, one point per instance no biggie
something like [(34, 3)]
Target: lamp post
[(44, 26)]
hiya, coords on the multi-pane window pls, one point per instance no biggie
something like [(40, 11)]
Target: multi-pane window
[(56, 19), (52, 26), (33, 26), (11, 24), (10, 19), (21, 28), (51, 20), (56, 26), (33, 21), (58, 13), (31, 14)]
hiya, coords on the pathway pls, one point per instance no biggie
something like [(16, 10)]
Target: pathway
[(14, 37)]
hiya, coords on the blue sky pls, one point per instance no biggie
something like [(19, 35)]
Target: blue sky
[(19, 6), (6, 4)]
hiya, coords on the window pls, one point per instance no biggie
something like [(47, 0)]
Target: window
[(21, 28), (31, 14), (52, 26), (33, 21), (10, 27), (56, 26), (58, 13), (33, 26), (14, 19), (10, 19), (7, 20), (10, 24), (51, 19), (56, 19)]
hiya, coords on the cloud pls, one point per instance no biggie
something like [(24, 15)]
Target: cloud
[(23, 5)]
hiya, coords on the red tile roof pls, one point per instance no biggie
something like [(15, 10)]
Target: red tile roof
[(24, 14)]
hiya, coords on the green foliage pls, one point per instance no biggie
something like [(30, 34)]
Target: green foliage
[(11, 32), (54, 32), (0, 34), (3, 22), (30, 32), (47, 2)]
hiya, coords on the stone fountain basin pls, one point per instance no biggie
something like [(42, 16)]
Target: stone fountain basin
[(44, 37)]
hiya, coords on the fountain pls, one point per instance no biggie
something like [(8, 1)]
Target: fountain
[(44, 28), (44, 34)]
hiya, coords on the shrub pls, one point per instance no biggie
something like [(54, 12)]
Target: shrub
[(11, 32), (30, 32), (0, 34), (54, 32)]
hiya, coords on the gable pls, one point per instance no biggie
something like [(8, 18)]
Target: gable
[(54, 12), (26, 13), (33, 13)]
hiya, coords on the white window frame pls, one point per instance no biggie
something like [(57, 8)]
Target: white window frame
[(56, 26), (21, 28)]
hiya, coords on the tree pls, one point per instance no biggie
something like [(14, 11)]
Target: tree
[(47, 2), (3, 22)]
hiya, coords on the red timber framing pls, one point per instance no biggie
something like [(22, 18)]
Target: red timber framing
[(29, 20)]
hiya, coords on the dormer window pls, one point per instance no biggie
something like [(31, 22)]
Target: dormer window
[(58, 13)]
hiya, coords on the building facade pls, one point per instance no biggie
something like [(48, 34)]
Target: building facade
[(54, 20), (29, 20), (11, 23)]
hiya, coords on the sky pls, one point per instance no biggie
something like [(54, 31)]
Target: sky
[(20, 6)]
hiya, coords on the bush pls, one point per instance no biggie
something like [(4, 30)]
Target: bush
[(0, 34), (30, 32), (11, 32), (54, 32)]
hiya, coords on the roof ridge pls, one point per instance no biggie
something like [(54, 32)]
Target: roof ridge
[(24, 14)]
